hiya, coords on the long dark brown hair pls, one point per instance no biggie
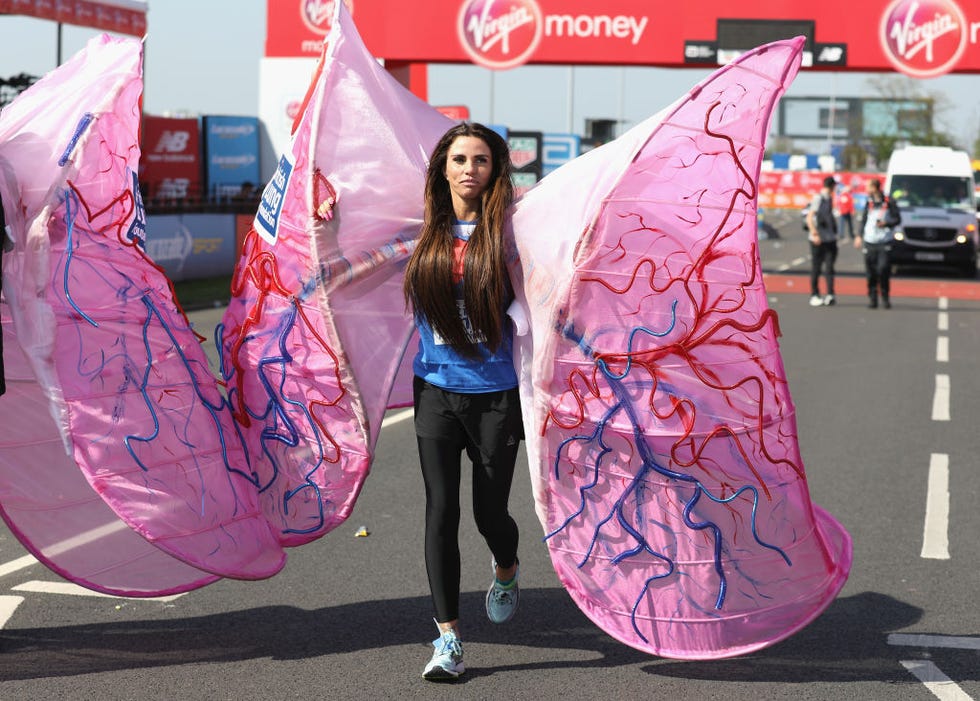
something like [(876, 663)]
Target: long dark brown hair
[(428, 283)]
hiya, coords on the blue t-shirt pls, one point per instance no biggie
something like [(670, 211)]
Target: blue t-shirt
[(438, 364)]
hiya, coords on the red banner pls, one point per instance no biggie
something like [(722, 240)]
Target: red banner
[(918, 37), (460, 113), (170, 169), (297, 27), (794, 189), (120, 16)]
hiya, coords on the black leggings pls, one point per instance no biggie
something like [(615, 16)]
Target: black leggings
[(823, 256), (877, 266), (488, 427)]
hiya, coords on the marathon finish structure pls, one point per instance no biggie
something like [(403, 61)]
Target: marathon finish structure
[(120, 16), (922, 38)]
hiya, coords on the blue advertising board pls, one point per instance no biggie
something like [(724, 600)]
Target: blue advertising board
[(559, 149), (231, 154)]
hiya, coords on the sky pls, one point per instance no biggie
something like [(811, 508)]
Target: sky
[(202, 57)]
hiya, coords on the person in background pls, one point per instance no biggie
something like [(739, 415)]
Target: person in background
[(878, 222), (845, 212), (822, 227), (465, 385), (247, 198)]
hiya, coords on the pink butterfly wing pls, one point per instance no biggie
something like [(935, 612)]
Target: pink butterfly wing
[(314, 341), (670, 483), (133, 400)]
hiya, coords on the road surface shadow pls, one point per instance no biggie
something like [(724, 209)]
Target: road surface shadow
[(847, 643)]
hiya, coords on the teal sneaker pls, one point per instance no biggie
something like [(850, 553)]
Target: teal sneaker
[(502, 598), (447, 658)]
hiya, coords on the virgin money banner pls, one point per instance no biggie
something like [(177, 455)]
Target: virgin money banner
[(231, 154), (120, 16), (918, 37), (297, 27), (170, 169)]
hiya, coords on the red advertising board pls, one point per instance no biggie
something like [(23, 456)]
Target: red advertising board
[(917, 37), (120, 16), (795, 188), (460, 113), (170, 167)]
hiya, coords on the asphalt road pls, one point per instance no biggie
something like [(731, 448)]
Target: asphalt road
[(349, 617)]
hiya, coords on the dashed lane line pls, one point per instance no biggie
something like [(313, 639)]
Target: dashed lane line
[(935, 541), (940, 399), (935, 533)]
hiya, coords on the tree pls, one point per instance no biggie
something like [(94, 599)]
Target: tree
[(854, 157), (13, 86), (881, 146), (914, 113)]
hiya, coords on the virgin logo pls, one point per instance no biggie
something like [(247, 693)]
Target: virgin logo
[(923, 38), (500, 34), (317, 14)]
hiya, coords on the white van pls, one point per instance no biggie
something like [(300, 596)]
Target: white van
[(933, 188)]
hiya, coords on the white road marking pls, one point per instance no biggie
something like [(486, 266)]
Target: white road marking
[(940, 399), (795, 263), (8, 604), (942, 323), (397, 418), (64, 546), (18, 564), (85, 538), (70, 589), (935, 533), (942, 349), (102, 531), (944, 302), (958, 642), (941, 686)]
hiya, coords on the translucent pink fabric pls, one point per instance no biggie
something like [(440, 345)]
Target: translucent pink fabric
[(120, 466), (661, 432), (314, 338), (663, 442)]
